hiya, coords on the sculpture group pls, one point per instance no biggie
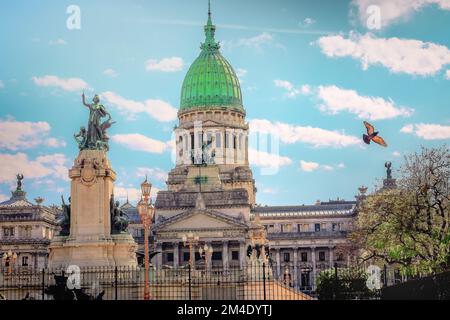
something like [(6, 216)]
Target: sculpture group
[(95, 137)]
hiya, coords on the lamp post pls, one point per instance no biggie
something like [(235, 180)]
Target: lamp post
[(10, 258), (146, 211), (190, 240), (206, 252)]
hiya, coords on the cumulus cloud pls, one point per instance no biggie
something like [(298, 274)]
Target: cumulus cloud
[(291, 90), (396, 154), (139, 142), (110, 73), (408, 56), (267, 160), (52, 165), (152, 173), (312, 166), (157, 109), (172, 64), (307, 22), (309, 166), (393, 11), (428, 131), (15, 135), (335, 100), (317, 137), (130, 193), (68, 84)]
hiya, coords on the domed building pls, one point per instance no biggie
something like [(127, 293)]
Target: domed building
[(211, 190)]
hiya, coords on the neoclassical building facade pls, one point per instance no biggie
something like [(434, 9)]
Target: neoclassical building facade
[(26, 230)]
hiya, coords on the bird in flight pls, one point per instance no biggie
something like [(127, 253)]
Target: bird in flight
[(372, 135)]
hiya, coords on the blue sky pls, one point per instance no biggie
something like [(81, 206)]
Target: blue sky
[(311, 71)]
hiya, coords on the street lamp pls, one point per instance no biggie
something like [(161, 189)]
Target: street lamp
[(146, 211), (206, 252), (10, 258), (190, 240)]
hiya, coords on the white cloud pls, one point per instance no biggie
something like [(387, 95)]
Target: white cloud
[(428, 131), (257, 42), (15, 135), (336, 100), (172, 64), (307, 22), (110, 73), (133, 194), (139, 142), (267, 160), (316, 137), (409, 128), (158, 109), (291, 90), (69, 84), (447, 74), (269, 190), (3, 197), (311, 166), (152, 173), (408, 56), (2, 84), (58, 42), (396, 154), (43, 166), (394, 10)]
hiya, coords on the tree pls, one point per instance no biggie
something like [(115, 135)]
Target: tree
[(343, 284), (410, 225)]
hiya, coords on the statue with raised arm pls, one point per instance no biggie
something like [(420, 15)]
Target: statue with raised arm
[(19, 177), (388, 166), (95, 137)]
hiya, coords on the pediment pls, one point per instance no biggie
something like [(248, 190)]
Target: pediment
[(200, 219)]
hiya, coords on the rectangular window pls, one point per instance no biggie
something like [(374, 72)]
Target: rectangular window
[(317, 227), (227, 140), (8, 232), (186, 143), (334, 227), (340, 256), (198, 256), (234, 255), (287, 257), (217, 255), (321, 255), (169, 256), (186, 256), (304, 257), (25, 261), (218, 140), (192, 141), (209, 137), (323, 226)]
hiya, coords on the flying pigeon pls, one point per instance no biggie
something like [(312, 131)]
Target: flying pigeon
[(372, 135)]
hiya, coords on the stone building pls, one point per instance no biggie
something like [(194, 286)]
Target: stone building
[(211, 190), (25, 231)]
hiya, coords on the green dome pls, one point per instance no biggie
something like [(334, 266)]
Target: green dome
[(211, 81)]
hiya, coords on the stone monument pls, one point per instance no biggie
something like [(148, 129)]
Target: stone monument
[(93, 228)]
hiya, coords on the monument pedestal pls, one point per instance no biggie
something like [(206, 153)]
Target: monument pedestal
[(90, 242)]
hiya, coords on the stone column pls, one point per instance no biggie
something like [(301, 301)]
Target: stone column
[(330, 253), (208, 257), (313, 260), (176, 258), (295, 267), (159, 255), (278, 259), (242, 254), (225, 254)]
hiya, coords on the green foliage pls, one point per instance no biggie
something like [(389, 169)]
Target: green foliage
[(409, 226), (343, 284)]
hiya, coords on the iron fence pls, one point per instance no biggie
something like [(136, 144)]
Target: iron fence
[(254, 282)]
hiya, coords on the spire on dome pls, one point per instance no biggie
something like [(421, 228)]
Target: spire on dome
[(210, 29)]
